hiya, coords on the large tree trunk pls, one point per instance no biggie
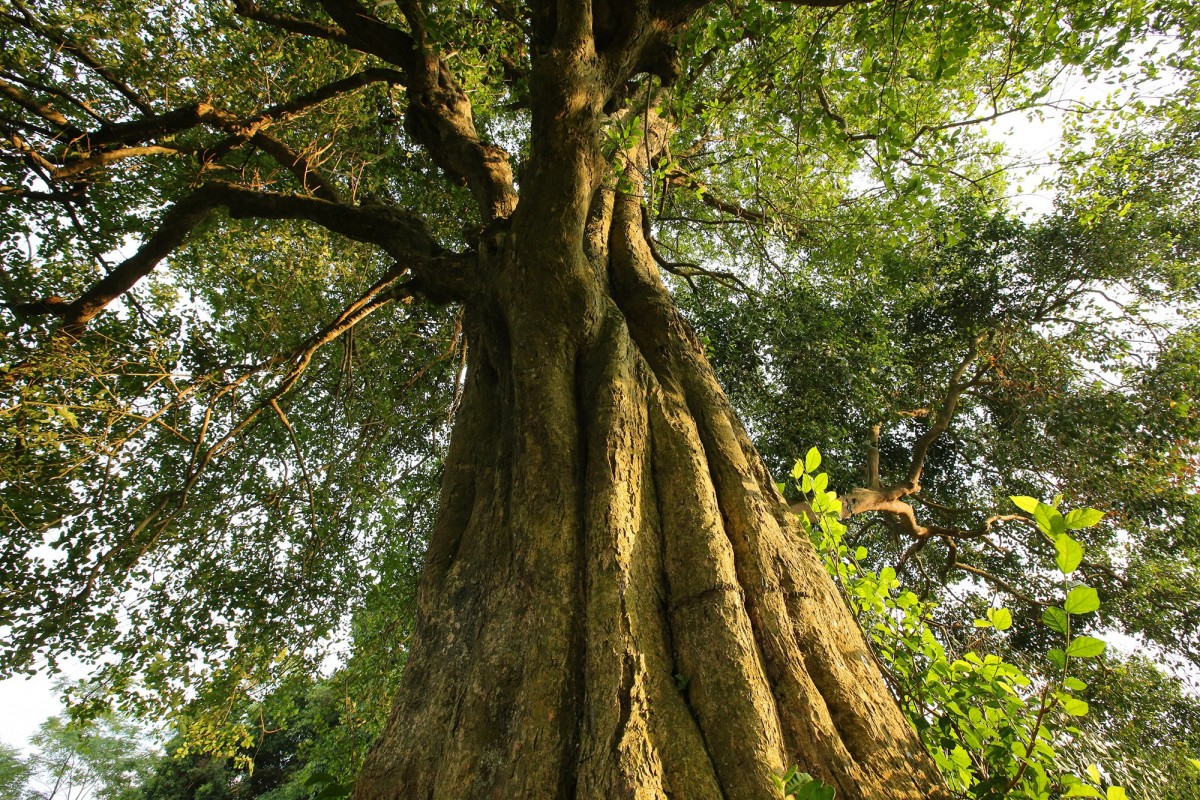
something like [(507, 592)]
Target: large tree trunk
[(616, 602)]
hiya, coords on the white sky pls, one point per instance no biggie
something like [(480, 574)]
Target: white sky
[(24, 704)]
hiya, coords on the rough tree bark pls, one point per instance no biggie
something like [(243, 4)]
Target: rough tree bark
[(606, 526)]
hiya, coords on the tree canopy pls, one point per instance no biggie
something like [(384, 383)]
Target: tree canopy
[(238, 239)]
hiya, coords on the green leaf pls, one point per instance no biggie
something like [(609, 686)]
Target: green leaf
[(1026, 504), (1083, 518), (812, 459), (1049, 520), (1075, 707), (1085, 647), (319, 779), (1001, 618), (1093, 773), (860, 553), (797, 470), (1117, 793), (1082, 600), (1055, 619), (820, 482), (1057, 657), (1083, 790), (1070, 553)]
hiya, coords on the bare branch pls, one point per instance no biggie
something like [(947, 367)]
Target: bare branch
[(941, 422), (106, 157)]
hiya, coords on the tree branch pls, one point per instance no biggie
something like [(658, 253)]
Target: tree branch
[(941, 422), (399, 233), (47, 113), (47, 31), (286, 22), (439, 115)]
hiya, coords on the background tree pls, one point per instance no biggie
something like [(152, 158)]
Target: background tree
[(106, 758), (204, 198), (14, 773)]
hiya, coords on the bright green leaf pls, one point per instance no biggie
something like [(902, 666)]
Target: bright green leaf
[(1082, 600), (1085, 647), (1083, 518), (1049, 520), (1070, 553), (1056, 619), (1026, 504), (1074, 706), (1001, 618)]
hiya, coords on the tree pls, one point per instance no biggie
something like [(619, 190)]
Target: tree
[(614, 599), (14, 773), (105, 759)]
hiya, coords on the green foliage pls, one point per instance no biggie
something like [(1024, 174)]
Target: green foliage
[(14, 773), (994, 728), (303, 742), (796, 785), (106, 758), (184, 499)]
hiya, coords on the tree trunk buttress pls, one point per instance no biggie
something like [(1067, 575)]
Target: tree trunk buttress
[(616, 602)]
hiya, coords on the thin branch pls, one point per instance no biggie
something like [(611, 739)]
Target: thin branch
[(47, 31), (688, 271), (681, 178), (312, 503)]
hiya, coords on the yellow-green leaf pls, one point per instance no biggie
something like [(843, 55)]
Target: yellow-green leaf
[(1026, 504), (1082, 600), (1070, 553), (1085, 647), (1001, 618)]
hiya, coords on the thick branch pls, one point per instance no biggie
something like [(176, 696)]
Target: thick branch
[(399, 233), (941, 422), (156, 125), (439, 113), (42, 110), (286, 22)]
